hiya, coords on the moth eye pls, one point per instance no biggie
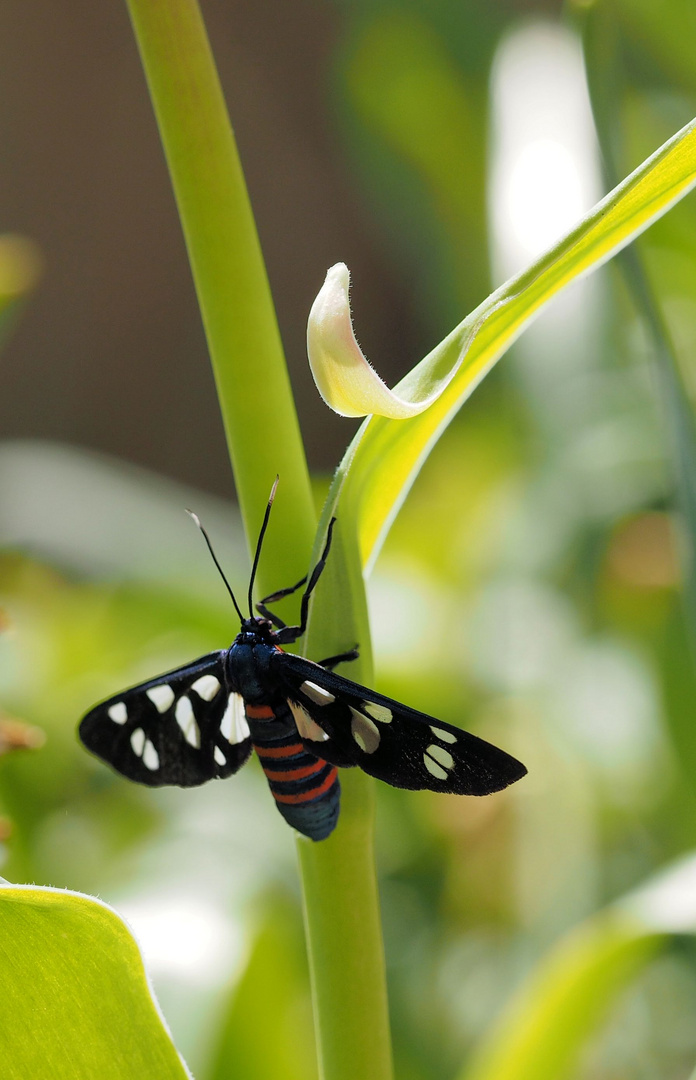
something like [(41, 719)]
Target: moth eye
[(365, 733), (161, 697)]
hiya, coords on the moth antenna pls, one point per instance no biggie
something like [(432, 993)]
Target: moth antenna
[(259, 542), (197, 521)]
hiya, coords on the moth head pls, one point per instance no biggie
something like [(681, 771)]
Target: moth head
[(258, 627), (263, 627)]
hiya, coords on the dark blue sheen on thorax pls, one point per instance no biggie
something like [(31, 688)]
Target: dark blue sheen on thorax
[(247, 667)]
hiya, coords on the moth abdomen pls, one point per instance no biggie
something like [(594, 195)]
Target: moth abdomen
[(305, 788)]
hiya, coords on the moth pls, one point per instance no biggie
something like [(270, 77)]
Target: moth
[(200, 722)]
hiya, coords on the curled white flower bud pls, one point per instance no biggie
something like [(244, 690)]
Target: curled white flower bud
[(344, 378)]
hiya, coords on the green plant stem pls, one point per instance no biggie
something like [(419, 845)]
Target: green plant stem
[(345, 941), (237, 309), (340, 891)]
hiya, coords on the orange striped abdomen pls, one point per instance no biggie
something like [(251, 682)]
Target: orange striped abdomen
[(305, 788)]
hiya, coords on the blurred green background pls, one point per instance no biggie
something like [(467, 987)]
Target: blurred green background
[(531, 588)]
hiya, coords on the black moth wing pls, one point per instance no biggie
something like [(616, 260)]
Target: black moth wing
[(181, 728), (391, 742)]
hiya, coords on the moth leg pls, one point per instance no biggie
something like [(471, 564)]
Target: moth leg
[(272, 598), (291, 633), (277, 622), (342, 658)]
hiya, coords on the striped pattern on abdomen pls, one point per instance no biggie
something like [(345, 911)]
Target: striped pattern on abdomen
[(305, 788)]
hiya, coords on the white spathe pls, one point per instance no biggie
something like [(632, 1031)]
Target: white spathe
[(344, 378)]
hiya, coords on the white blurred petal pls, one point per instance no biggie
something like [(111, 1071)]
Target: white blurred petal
[(184, 935), (667, 903)]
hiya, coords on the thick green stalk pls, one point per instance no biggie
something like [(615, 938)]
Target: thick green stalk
[(341, 903), (229, 274), (340, 889), (344, 935)]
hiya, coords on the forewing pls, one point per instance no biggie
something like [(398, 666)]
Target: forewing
[(405, 748), (181, 728)]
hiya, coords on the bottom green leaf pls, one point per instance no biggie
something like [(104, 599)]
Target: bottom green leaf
[(76, 1002)]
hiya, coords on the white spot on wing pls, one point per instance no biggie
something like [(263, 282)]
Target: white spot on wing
[(442, 756), (226, 722), (206, 687), (187, 722), (161, 697), (307, 728), (378, 712), (138, 741), (219, 756), (183, 711), (442, 735), (434, 769), (317, 694), (118, 712), (234, 723), (365, 733), (150, 757)]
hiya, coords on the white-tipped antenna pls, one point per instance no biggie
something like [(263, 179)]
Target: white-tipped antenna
[(259, 542), (220, 571)]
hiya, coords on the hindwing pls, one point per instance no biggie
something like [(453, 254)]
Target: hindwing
[(347, 724), (181, 728)]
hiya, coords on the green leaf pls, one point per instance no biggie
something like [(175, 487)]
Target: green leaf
[(386, 455), (543, 1030), (372, 482), (76, 1002), (545, 1026)]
